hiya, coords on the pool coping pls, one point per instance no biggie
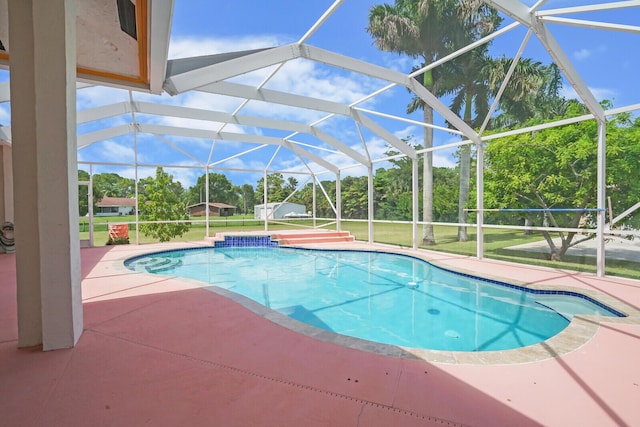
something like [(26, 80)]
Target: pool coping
[(579, 332)]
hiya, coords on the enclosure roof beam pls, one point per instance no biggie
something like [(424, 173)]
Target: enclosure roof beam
[(590, 8), (335, 143), (633, 29), (299, 101), (193, 79), (260, 122), (112, 110), (201, 78), (276, 97), (233, 137), (521, 13), (393, 140), (89, 138), (103, 112), (317, 159), (207, 134), (358, 66)]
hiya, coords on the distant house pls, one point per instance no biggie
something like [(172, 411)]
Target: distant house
[(280, 211), (115, 206), (215, 209)]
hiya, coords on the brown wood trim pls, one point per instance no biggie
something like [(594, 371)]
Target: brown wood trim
[(143, 63), (113, 76), (142, 18)]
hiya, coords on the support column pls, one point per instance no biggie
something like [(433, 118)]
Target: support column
[(370, 204), (480, 200), (6, 184), (43, 124), (415, 208), (602, 197), (338, 202), (315, 203), (206, 196), (265, 196)]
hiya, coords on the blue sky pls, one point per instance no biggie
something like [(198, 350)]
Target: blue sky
[(606, 60)]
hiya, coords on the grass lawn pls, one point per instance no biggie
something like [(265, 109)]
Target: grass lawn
[(496, 241)]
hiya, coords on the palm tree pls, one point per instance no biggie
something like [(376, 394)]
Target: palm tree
[(464, 78), (417, 28), (469, 87), (533, 92), (430, 29)]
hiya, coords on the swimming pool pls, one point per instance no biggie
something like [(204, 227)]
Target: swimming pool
[(381, 297)]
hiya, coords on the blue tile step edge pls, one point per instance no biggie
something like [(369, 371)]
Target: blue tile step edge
[(244, 241)]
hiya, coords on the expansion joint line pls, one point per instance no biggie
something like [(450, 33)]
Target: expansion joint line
[(296, 385)]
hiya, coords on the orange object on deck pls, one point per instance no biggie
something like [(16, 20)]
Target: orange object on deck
[(118, 231)]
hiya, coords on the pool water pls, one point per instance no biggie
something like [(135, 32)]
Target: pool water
[(382, 297)]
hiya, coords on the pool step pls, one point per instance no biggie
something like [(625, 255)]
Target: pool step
[(313, 237), (159, 264)]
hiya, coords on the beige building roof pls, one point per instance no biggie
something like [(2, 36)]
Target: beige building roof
[(116, 201)]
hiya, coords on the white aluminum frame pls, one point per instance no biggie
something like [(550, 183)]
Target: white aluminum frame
[(214, 79)]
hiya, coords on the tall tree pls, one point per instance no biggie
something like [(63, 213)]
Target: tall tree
[(417, 28), (112, 185), (393, 187), (247, 197), (470, 92), (557, 168), (220, 190), (275, 189), (291, 185), (160, 200), (354, 197)]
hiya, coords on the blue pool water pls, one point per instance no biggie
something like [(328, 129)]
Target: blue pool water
[(387, 298)]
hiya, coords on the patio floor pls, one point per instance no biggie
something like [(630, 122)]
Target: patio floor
[(162, 351)]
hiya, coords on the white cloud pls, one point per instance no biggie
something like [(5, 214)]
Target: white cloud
[(309, 78), (599, 93), (111, 151), (240, 163), (582, 54), (95, 96), (442, 157), (207, 102), (306, 78), (186, 176), (402, 64)]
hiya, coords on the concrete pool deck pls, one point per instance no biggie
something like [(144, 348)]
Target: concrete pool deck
[(162, 351)]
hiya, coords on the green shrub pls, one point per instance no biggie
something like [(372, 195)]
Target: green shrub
[(118, 241)]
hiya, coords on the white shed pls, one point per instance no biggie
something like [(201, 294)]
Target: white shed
[(279, 210)]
